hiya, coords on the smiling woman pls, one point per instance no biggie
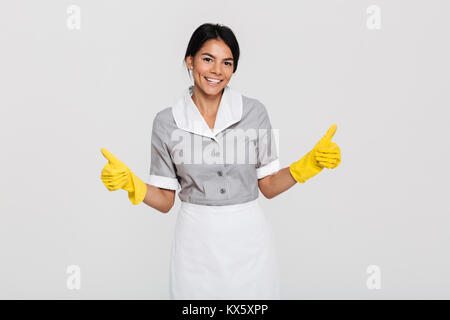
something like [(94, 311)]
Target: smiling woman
[(212, 56), (223, 244)]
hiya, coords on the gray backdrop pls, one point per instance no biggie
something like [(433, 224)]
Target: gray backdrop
[(380, 73)]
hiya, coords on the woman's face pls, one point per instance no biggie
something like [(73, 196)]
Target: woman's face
[(213, 61)]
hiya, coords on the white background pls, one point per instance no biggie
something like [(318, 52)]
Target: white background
[(67, 93)]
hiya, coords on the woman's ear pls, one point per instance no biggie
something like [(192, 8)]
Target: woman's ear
[(188, 61)]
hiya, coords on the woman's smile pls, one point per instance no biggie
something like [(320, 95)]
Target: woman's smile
[(213, 82)]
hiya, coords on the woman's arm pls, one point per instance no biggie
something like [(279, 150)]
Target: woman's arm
[(159, 199), (276, 183)]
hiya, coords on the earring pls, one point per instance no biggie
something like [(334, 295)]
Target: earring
[(192, 68)]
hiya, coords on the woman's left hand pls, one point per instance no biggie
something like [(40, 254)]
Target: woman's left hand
[(328, 156)]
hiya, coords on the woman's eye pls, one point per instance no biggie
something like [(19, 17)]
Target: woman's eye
[(227, 63)]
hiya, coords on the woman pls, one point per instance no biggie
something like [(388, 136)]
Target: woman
[(223, 246)]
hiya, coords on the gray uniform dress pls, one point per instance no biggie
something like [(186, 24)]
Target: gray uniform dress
[(216, 173)]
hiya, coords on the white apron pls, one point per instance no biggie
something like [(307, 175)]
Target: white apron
[(223, 252)]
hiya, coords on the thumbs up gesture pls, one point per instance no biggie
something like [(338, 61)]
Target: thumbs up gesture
[(325, 154), (116, 175)]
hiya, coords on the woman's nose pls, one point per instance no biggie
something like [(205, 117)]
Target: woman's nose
[(217, 68)]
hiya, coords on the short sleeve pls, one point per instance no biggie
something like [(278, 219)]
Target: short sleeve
[(267, 151), (162, 168)]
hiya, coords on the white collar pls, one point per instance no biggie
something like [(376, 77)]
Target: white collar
[(188, 117)]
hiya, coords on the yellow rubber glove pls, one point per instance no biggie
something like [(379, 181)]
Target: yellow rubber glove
[(324, 154), (328, 157), (116, 175)]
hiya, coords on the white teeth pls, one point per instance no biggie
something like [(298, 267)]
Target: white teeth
[(213, 80)]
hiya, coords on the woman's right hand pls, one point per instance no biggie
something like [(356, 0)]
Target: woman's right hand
[(116, 175)]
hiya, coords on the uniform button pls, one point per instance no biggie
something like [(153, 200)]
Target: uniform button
[(222, 190), (219, 173)]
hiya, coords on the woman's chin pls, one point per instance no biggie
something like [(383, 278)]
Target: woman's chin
[(212, 90)]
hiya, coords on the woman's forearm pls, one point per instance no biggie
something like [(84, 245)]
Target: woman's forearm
[(159, 199), (273, 185)]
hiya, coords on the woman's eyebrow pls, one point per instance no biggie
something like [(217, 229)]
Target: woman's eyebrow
[(209, 54)]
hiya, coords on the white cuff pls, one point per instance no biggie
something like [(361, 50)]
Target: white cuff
[(268, 169), (164, 182)]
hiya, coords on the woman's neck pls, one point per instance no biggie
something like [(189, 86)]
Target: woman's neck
[(206, 104)]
